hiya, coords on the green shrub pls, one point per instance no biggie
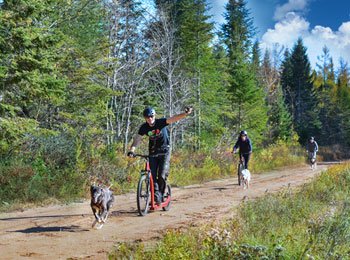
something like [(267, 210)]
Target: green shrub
[(20, 182), (282, 153)]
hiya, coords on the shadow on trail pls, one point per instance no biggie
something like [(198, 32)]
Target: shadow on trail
[(113, 213), (329, 163), (229, 186), (124, 212), (51, 229), (47, 216), (221, 189)]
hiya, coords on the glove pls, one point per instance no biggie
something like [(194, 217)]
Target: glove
[(250, 152), (307, 151), (131, 154), (234, 151), (188, 110)]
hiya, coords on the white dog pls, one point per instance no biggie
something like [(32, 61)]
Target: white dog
[(245, 177)]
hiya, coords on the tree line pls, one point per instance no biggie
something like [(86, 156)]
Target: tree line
[(81, 72)]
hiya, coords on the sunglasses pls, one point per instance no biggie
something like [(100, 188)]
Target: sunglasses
[(147, 117)]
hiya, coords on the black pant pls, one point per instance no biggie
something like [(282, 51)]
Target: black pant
[(160, 170), (246, 157)]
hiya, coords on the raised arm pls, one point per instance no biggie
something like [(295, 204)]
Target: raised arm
[(179, 116)]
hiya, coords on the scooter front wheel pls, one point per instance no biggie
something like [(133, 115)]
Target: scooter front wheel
[(143, 195)]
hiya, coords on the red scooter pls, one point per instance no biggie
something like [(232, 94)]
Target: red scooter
[(145, 190)]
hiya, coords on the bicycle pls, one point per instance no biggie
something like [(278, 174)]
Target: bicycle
[(145, 190), (241, 167)]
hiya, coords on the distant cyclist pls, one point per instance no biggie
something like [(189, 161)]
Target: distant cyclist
[(245, 147), (155, 129), (312, 147)]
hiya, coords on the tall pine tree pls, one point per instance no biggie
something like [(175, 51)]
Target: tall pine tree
[(31, 85), (299, 92), (280, 120), (343, 97), (247, 98), (328, 102), (194, 34)]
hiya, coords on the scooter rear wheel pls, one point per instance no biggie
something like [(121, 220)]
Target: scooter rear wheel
[(167, 193)]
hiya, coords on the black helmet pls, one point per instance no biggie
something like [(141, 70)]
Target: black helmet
[(149, 111), (243, 133), (311, 138)]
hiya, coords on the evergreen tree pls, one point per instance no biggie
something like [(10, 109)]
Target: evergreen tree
[(326, 93), (31, 84), (325, 65), (30, 55), (52, 59), (299, 92), (238, 29), (246, 96), (86, 67), (256, 59), (343, 97), (280, 120), (194, 33)]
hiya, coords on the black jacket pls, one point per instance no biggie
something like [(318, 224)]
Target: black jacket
[(312, 147), (244, 147)]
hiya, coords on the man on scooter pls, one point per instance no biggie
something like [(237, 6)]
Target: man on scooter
[(155, 129)]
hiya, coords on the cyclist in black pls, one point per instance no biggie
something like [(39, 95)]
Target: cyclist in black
[(155, 129), (245, 147), (312, 147)]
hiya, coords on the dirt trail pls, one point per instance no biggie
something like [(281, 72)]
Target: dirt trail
[(64, 231)]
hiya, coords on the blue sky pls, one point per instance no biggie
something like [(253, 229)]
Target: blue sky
[(318, 22)]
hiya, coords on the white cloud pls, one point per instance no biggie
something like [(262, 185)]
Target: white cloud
[(290, 6), (288, 30)]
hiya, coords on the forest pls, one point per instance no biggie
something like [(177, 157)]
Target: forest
[(75, 77)]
